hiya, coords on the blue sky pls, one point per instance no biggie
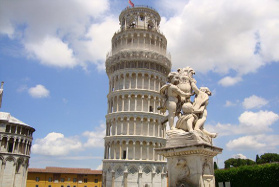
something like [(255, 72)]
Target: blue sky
[(52, 56)]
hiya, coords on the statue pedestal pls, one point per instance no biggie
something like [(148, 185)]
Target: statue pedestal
[(190, 165)]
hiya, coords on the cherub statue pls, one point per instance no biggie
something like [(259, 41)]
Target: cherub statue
[(172, 95), (188, 119), (186, 77), (199, 107)]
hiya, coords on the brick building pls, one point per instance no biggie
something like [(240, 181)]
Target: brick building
[(64, 177)]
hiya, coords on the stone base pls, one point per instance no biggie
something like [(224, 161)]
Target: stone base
[(190, 165), (179, 137)]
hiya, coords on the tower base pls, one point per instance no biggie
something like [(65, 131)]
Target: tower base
[(190, 165), (117, 173)]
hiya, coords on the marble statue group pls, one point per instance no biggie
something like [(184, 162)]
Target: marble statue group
[(178, 90)]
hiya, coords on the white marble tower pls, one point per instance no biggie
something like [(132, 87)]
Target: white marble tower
[(137, 67)]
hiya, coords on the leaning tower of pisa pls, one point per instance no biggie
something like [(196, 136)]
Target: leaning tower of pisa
[(137, 66)]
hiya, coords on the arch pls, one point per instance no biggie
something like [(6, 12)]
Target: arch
[(10, 158), (147, 169), (132, 169), (119, 170), (158, 170), (19, 163)]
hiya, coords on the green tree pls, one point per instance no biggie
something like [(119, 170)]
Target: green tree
[(269, 157), (238, 162), (215, 166), (257, 159)]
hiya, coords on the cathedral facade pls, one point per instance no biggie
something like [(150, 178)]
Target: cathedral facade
[(15, 140)]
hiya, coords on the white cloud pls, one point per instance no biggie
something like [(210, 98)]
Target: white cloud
[(257, 122), (39, 91), (100, 167), (224, 36), (249, 123), (52, 51), (22, 88), (52, 32), (254, 102), (95, 138), (229, 104), (56, 144), (64, 100), (261, 143), (244, 143), (241, 156), (229, 81), (98, 41)]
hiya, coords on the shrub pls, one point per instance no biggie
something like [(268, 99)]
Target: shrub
[(265, 175)]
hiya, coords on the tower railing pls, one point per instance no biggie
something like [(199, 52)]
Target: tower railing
[(138, 27), (145, 47), (140, 6)]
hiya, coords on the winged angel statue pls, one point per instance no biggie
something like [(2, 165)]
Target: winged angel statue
[(191, 115)]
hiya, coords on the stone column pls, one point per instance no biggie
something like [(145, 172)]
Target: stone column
[(130, 82), (113, 178), (26, 145), (120, 150), (149, 97), (148, 123), (123, 105), (7, 144), (122, 121), (147, 151), (142, 100), (114, 83), (159, 130), (124, 82), (136, 80), (141, 127), (136, 102), (104, 179), (128, 125), (153, 151), (115, 124), (127, 150), (140, 150), (140, 179), (154, 104), (149, 77), (13, 145), (154, 86), (114, 151), (129, 103), (134, 150), (111, 151), (154, 128), (163, 176), (117, 103), (18, 142), (143, 75), (152, 178), (126, 179)]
